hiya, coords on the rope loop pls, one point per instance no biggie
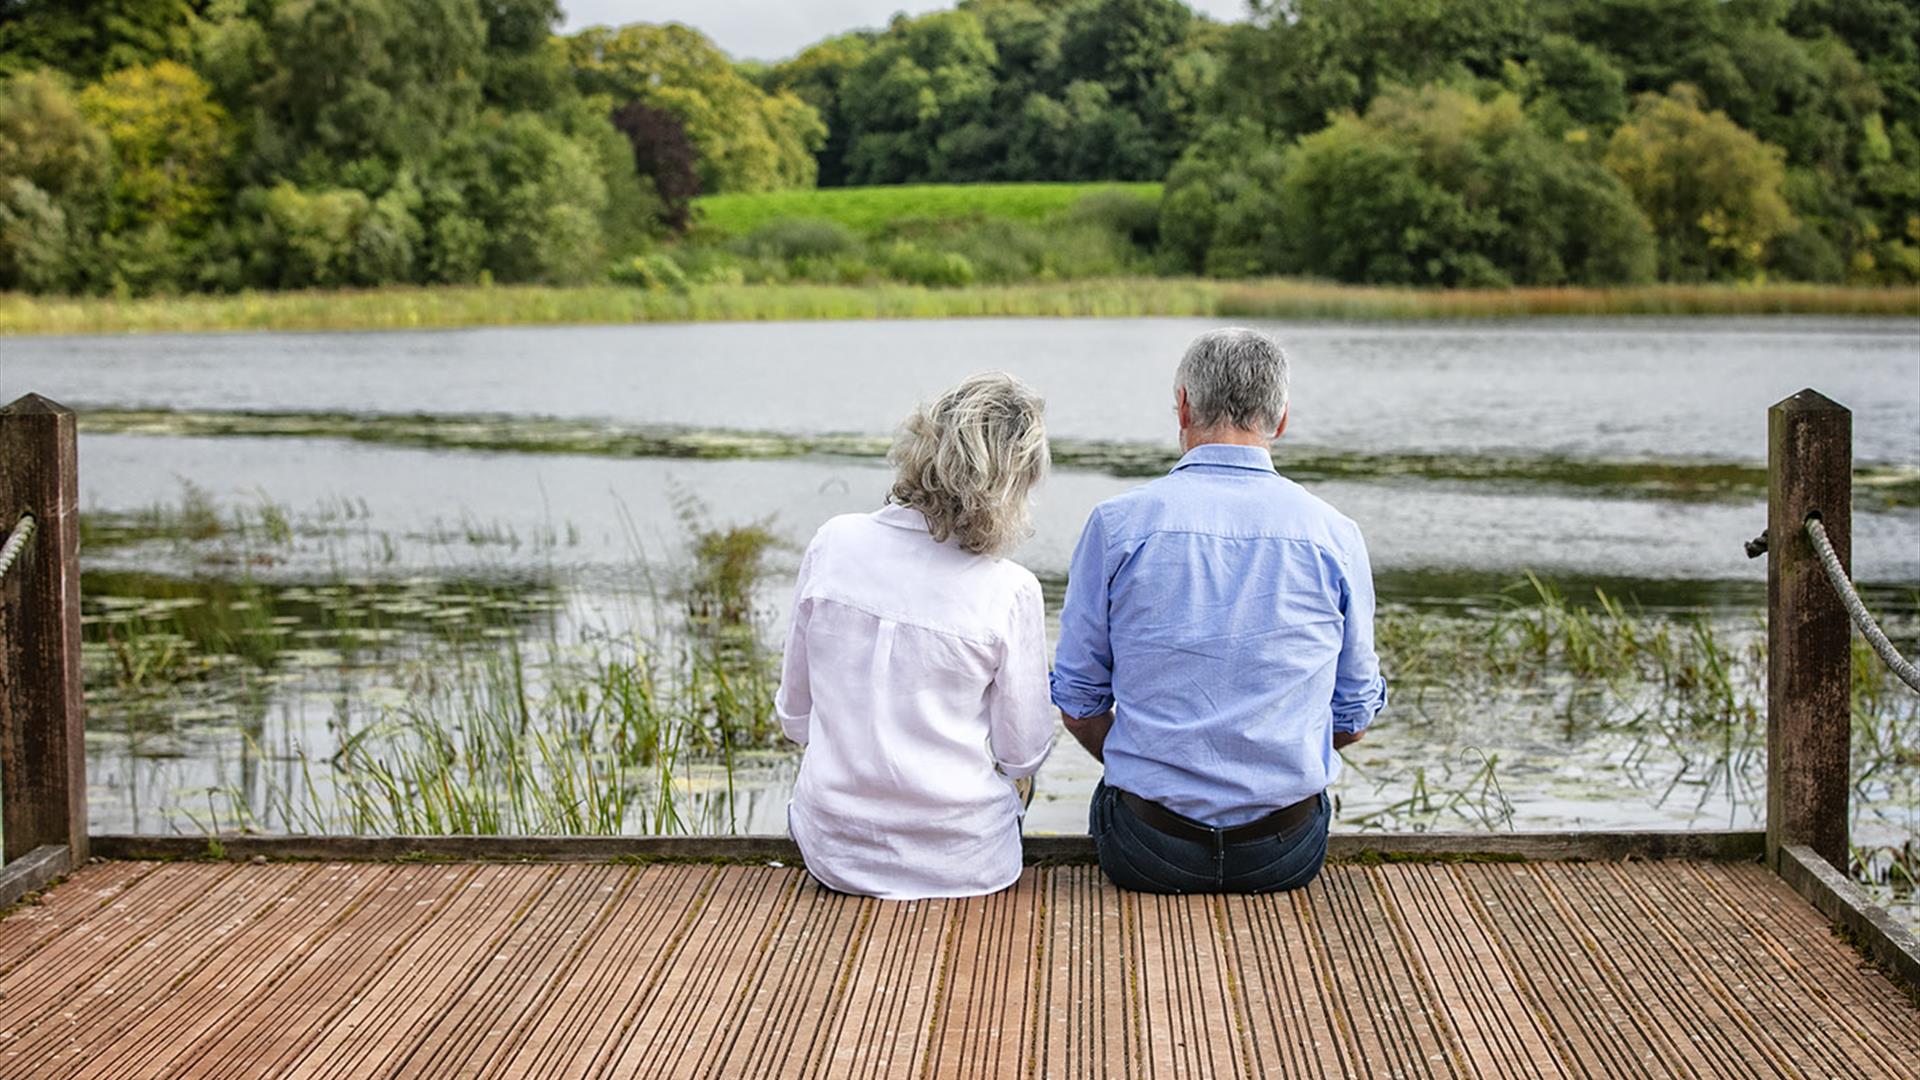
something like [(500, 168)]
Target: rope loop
[(16, 542), (1876, 637)]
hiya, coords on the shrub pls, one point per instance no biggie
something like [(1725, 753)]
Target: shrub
[(655, 270), (794, 238), (1121, 212), (918, 266)]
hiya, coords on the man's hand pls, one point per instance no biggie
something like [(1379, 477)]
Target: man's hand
[(1343, 739), (1091, 731)]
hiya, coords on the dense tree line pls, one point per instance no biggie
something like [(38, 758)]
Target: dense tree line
[(163, 145), (1752, 136)]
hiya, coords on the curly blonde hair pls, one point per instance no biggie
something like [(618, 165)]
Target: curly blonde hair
[(969, 461)]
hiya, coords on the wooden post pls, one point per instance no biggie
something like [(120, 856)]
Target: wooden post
[(1809, 651), (43, 759)]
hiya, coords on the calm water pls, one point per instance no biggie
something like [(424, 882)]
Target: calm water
[(1656, 395)]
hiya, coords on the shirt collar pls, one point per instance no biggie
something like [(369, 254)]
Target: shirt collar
[(901, 517), (1257, 458)]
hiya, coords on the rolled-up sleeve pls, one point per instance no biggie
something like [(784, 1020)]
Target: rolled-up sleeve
[(1020, 723), (793, 702), (1082, 681), (1359, 691)]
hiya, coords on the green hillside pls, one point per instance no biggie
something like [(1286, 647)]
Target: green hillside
[(870, 209)]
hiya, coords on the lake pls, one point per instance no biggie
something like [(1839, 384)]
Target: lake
[(374, 511)]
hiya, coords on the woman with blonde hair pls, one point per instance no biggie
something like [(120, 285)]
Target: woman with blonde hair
[(916, 669)]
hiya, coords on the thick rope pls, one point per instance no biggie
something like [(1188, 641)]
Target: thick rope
[(1861, 617), (16, 543)]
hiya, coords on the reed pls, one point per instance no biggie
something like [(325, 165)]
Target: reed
[(424, 308)]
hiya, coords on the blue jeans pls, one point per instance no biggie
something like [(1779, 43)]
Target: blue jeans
[(1137, 856)]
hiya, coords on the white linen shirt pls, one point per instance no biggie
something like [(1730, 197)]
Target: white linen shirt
[(916, 677)]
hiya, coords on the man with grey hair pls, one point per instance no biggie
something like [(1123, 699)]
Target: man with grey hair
[(1216, 646)]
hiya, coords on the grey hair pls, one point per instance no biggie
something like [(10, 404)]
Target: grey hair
[(1234, 378), (969, 461)]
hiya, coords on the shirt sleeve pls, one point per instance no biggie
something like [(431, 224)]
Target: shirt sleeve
[(1082, 682), (1020, 723), (1359, 691), (793, 702)]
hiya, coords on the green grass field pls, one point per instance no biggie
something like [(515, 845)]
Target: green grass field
[(1274, 298), (869, 209)]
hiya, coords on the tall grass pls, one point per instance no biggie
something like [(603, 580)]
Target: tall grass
[(456, 306)]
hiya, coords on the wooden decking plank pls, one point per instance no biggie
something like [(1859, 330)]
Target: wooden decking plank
[(198, 999), (984, 1022), (87, 947), (523, 984), (1179, 970), (1416, 1037), (482, 1015), (1598, 1028), (625, 955), (511, 1016), (271, 1030), (1613, 951), (879, 1027), (1799, 936), (1085, 1019), (1718, 967), (1468, 982), (389, 1014), (786, 1019), (1616, 951), (762, 956), (1290, 1023), (1722, 1038), (1766, 983), (37, 922), (61, 1001), (725, 945)]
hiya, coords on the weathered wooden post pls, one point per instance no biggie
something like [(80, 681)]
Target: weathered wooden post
[(1809, 652), (43, 761)]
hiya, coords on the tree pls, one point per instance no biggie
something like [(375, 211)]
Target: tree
[(1220, 211), (170, 144), (86, 38), (818, 77), (1572, 86), (55, 168), (748, 139), (664, 155), (1429, 187), (919, 104), (345, 92), (526, 67), (1302, 61), (1711, 189), (532, 198)]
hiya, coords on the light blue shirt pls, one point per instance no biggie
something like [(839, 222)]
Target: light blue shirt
[(1226, 616)]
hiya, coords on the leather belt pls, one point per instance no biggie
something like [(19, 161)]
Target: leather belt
[(1185, 828)]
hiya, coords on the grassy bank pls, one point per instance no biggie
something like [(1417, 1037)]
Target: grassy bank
[(873, 209), (424, 308)]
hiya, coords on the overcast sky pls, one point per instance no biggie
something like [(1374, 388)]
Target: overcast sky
[(776, 29)]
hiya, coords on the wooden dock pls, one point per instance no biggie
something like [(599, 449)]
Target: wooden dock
[(1571, 955), (584, 969)]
